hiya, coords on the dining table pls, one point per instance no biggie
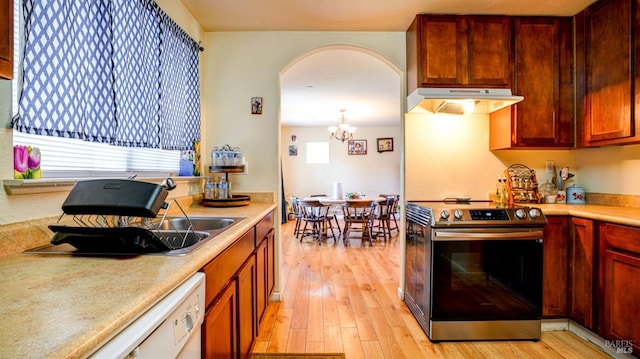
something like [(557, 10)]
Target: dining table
[(336, 203), (340, 201)]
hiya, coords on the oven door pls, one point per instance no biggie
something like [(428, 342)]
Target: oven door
[(486, 274)]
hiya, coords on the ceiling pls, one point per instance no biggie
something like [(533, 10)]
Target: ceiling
[(316, 87), (355, 15)]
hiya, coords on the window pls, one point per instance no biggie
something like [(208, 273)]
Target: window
[(317, 152), (72, 158), (139, 69)]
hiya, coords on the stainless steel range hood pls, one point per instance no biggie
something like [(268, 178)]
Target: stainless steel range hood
[(454, 100)]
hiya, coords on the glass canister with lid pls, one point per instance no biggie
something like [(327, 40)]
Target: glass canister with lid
[(548, 192)]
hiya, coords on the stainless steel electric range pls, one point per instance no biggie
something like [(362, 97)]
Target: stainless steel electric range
[(474, 271)]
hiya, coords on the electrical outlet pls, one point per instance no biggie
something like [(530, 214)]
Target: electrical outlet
[(550, 165)]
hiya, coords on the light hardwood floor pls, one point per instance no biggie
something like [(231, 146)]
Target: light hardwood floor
[(344, 299)]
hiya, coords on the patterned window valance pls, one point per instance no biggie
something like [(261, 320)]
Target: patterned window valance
[(112, 71)]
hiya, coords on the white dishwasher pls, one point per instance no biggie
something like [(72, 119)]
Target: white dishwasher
[(170, 329)]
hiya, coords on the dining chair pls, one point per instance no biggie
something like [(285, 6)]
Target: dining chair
[(297, 214), (382, 217), (333, 218), (315, 214), (394, 211), (358, 216)]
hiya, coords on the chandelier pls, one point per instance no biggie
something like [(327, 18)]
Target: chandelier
[(343, 131)]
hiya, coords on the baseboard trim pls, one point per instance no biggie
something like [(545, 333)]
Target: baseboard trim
[(276, 296), (562, 324), (552, 325)]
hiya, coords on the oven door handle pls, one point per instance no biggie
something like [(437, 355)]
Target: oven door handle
[(465, 236)]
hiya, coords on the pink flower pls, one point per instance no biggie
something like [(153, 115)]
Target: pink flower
[(34, 158), (20, 158)]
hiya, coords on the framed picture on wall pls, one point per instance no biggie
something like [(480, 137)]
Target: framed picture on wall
[(357, 147), (256, 105), (293, 150), (385, 144)]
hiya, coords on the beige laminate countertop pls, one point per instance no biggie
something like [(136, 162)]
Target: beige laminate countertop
[(621, 215), (60, 306)]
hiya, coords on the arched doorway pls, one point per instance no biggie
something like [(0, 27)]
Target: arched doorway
[(314, 87)]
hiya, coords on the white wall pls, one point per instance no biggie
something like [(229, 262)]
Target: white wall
[(449, 156), (372, 174), (614, 169), (241, 65)]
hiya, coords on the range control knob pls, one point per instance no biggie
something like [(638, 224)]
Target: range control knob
[(457, 214), (521, 213), (444, 214), (534, 213)]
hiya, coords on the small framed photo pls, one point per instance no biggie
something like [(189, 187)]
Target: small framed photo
[(385, 144), (293, 150), (256, 105), (357, 147)]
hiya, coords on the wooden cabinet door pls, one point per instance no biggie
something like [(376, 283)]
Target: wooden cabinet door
[(554, 271), (223, 268), (459, 51), (621, 293), (620, 270), (271, 262), (544, 76), (265, 271), (220, 326), (442, 50), (489, 51), (6, 39), (609, 118), (581, 271), (247, 322), (261, 275)]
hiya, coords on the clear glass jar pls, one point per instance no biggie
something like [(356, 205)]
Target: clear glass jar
[(548, 191)]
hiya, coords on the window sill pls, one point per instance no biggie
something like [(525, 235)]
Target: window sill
[(46, 185)]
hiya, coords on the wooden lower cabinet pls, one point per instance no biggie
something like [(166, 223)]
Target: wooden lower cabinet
[(581, 272), (247, 321), (270, 275), (265, 271), (220, 326), (554, 270), (261, 267), (238, 283), (620, 273)]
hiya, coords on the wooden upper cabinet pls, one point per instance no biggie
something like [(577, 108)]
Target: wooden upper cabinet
[(459, 51), (544, 77), (489, 52), (6, 39), (605, 39)]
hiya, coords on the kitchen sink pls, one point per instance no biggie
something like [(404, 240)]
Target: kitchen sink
[(180, 234), (211, 225), (199, 223)]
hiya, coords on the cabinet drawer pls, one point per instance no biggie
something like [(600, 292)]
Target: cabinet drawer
[(263, 227), (222, 268), (621, 237)]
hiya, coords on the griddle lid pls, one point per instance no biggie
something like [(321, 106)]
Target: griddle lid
[(115, 197)]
